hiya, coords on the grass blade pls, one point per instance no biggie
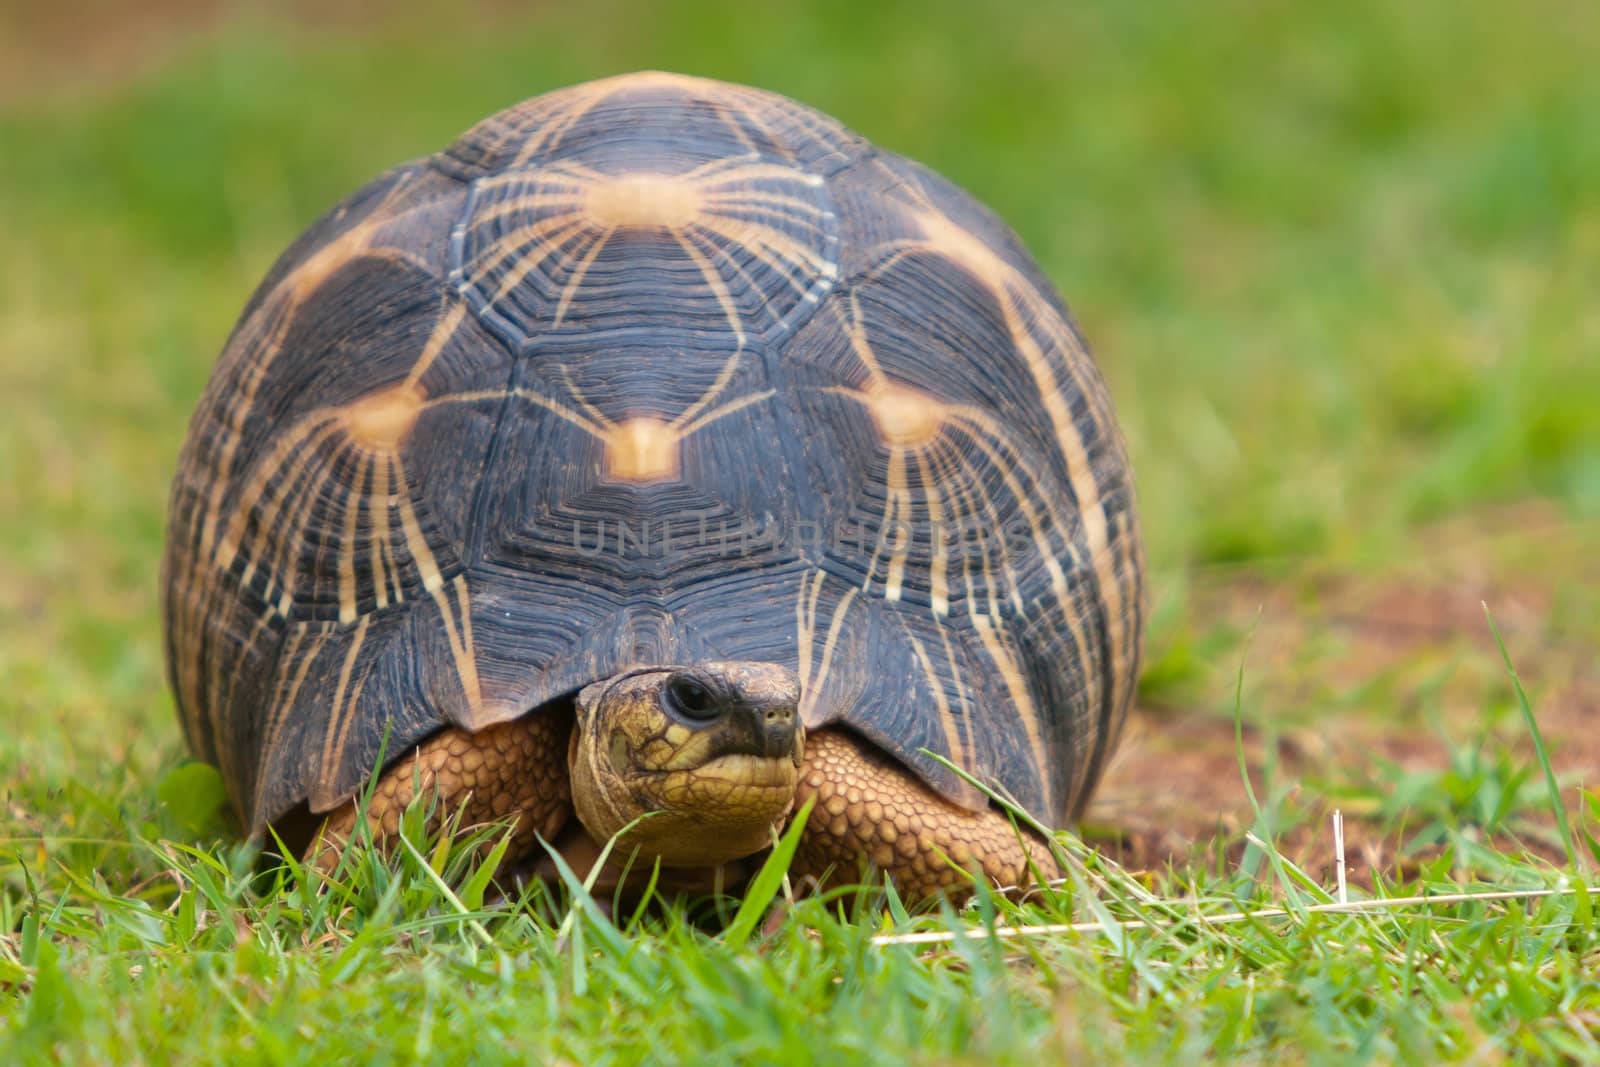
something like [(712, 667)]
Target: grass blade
[(1538, 745), (766, 883)]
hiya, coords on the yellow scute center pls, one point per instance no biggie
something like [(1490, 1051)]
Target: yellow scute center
[(906, 417), (381, 421), (636, 201), (642, 449)]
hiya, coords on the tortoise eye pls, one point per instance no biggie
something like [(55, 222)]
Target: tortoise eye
[(690, 699)]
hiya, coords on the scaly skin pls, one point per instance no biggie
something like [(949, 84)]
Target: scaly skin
[(709, 791), (869, 812), (516, 768)]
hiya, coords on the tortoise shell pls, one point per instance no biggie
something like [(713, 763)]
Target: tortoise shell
[(653, 370)]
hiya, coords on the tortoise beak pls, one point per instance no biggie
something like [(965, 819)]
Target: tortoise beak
[(769, 730)]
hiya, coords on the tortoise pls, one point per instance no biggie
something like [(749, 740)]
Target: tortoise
[(661, 446)]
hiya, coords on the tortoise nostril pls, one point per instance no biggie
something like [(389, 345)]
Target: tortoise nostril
[(776, 729)]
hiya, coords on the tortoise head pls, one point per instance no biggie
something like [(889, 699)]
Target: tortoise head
[(711, 753)]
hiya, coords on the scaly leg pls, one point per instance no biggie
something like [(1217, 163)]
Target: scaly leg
[(870, 809), (518, 767)]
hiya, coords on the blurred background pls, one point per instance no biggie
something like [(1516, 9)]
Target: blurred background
[(1338, 262)]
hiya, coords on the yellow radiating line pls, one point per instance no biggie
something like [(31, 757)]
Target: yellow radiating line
[(284, 702), (724, 410), (753, 172), (938, 581), (200, 575), (378, 505), (551, 231), (1085, 487), (904, 248), (411, 530), (978, 494), (1004, 282), (580, 107), (728, 116), (809, 700), (283, 302), (522, 188), (742, 215), (284, 561), (577, 102), (296, 485), (333, 738), (1079, 472), (897, 551), (721, 169), (344, 729), (992, 511), (952, 740), (1061, 336), (714, 279), (720, 252), (724, 376), (1017, 686), (856, 331), (442, 332), (776, 249), (245, 650), (522, 244), (580, 173), (727, 231), (238, 410), (563, 411), (562, 201), (563, 173), (791, 249), (565, 255), (583, 401), (938, 455), (1124, 674), (504, 131), (955, 675), (709, 172), (347, 546), (891, 505), (470, 397), (805, 617), (575, 279), (919, 195), (467, 665), (323, 422), (820, 128), (553, 406), (433, 582), (754, 111), (1058, 580), (538, 136), (775, 204)]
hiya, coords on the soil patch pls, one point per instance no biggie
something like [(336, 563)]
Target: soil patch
[(1369, 686)]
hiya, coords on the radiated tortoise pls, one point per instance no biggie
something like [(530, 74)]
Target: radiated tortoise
[(661, 446)]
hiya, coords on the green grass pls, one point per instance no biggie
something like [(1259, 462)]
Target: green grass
[(1339, 263)]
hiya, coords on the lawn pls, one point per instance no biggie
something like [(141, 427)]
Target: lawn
[(1339, 264)]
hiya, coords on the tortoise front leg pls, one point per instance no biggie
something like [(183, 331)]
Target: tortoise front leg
[(870, 810), (515, 768)]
